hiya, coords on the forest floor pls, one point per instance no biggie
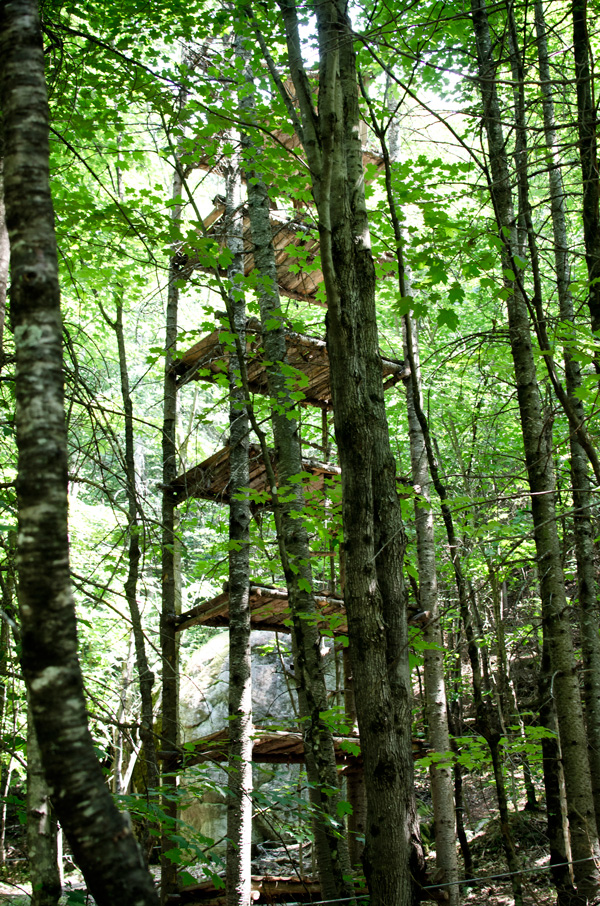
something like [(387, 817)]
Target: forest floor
[(487, 850), (529, 829)]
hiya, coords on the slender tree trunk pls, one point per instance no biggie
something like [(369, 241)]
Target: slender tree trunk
[(355, 781), (557, 823), (508, 705), (8, 610), (582, 497), (42, 850), (587, 125), (239, 801), (486, 716), (333, 859), (169, 562), (455, 728), (539, 464), (100, 837), (4, 254), (435, 687), (145, 675)]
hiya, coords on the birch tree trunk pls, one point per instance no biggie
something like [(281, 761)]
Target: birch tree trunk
[(239, 801), (584, 836), (100, 837)]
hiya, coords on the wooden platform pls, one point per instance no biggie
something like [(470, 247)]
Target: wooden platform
[(269, 889), (284, 747), (308, 355), (272, 747), (296, 247), (210, 479), (269, 610)]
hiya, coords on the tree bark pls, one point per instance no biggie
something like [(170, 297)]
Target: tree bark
[(556, 813), (169, 565), (239, 801), (433, 668), (134, 529), (42, 849), (540, 473), (333, 859), (580, 482), (4, 255), (587, 124), (100, 837), (374, 540)]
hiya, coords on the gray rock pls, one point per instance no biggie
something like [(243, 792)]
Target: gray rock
[(280, 790)]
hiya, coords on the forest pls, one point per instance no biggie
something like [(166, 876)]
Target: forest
[(300, 452)]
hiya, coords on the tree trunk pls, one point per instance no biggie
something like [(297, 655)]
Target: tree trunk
[(435, 687), (134, 529), (539, 464), (374, 539), (42, 849), (587, 124), (580, 482), (100, 837), (4, 255), (169, 564), (333, 860), (556, 815), (239, 801)]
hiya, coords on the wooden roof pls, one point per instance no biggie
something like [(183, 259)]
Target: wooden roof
[(268, 610), (296, 247), (208, 359), (210, 479)]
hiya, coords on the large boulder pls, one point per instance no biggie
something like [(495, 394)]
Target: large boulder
[(280, 793), (205, 686)]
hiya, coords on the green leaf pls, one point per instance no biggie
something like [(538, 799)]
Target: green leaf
[(447, 317)]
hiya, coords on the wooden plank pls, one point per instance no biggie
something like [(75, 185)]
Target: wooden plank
[(209, 480), (307, 354)]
